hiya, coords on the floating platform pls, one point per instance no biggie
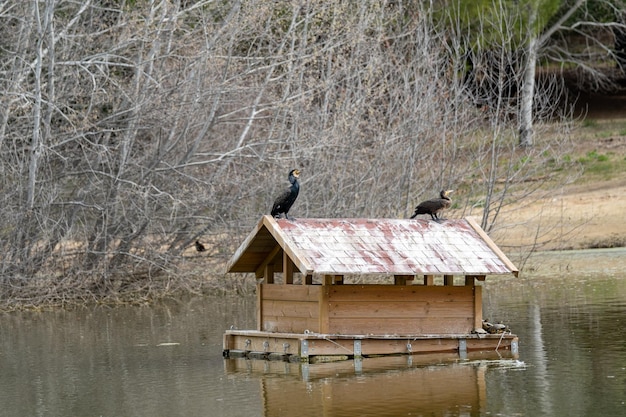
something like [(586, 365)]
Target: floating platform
[(315, 347)]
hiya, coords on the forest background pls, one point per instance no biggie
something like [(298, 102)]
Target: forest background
[(129, 129)]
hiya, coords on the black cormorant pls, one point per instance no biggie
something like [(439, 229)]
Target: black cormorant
[(434, 206), (285, 200), (199, 246)]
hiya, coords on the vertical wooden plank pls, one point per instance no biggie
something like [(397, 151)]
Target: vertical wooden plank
[(287, 269), (448, 280), (268, 274), (327, 280), (469, 280), (308, 279), (259, 305), (227, 342), (478, 307), (324, 320), (429, 280)]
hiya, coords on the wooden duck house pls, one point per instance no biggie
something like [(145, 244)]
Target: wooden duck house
[(359, 287)]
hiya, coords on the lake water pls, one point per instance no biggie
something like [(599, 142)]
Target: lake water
[(166, 360)]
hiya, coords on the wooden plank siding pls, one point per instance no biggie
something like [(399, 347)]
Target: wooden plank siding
[(289, 308), (369, 309), (393, 310), (401, 326)]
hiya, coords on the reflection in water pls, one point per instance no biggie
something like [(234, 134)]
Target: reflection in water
[(571, 341), (167, 360), (386, 386), (120, 362), (537, 355)]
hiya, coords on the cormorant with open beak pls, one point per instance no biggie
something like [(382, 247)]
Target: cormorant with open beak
[(285, 200)]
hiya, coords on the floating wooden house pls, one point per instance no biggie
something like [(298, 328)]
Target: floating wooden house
[(344, 288)]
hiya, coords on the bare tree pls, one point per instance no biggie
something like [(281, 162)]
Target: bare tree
[(131, 129)]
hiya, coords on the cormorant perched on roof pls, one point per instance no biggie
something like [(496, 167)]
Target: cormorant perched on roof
[(285, 200), (199, 246), (434, 206)]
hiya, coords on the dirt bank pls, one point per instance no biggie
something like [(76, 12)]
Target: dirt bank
[(574, 217)]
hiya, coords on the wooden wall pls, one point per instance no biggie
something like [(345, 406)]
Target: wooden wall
[(391, 309), (369, 309), (288, 308)]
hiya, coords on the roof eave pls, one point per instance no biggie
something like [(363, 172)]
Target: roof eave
[(243, 247), (299, 260), (281, 239), (492, 245)]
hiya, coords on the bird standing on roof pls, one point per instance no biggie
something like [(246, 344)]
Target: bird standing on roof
[(434, 206), (285, 200)]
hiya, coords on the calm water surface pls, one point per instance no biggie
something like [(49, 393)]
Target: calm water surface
[(167, 360)]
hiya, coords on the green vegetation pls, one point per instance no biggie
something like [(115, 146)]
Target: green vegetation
[(602, 166), (509, 16)]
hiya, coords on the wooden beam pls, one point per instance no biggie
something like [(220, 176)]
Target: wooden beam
[(448, 280), (478, 307), (244, 245), (268, 275), (324, 320), (327, 280), (270, 259), (429, 280), (287, 269), (259, 305), (338, 279), (307, 279), (299, 260), (492, 245)]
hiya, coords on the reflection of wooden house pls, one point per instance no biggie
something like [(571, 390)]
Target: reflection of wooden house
[(418, 384), (316, 295)]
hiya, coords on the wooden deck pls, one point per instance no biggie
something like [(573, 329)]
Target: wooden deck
[(315, 347)]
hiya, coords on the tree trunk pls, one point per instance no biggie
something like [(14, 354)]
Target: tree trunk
[(528, 85)]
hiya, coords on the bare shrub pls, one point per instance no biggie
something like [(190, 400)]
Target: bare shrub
[(131, 129)]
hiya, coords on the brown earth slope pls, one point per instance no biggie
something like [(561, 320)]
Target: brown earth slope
[(575, 217), (592, 211)]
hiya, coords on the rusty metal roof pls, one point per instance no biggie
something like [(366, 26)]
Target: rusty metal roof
[(374, 246)]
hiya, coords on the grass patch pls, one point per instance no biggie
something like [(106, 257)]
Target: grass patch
[(603, 166), (591, 123)]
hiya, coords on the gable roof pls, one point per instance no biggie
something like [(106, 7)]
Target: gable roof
[(373, 246)]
